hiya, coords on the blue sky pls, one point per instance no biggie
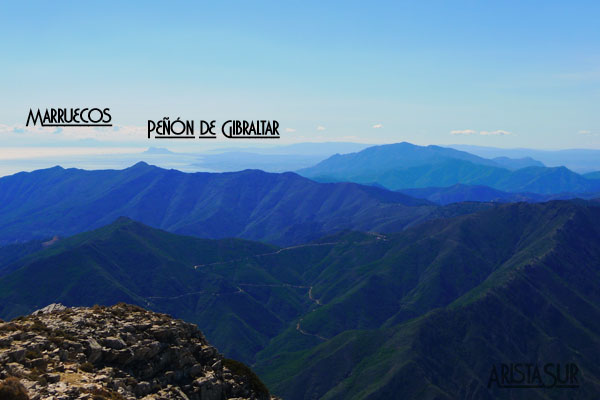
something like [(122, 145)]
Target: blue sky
[(506, 74)]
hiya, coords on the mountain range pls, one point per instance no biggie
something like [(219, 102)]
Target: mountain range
[(423, 313), (406, 166), (277, 208), (387, 287)]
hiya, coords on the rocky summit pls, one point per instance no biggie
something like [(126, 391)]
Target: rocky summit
[(118, 352)]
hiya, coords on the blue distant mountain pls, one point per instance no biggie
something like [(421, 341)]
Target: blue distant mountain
[(592, 175), (404, 165), (578, 160), (517, 163)]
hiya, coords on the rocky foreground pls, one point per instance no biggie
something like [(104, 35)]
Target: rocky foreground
[(118, 352)]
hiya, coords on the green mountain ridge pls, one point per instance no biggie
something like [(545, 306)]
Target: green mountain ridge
[(424, 313), (125, 261), (535, 300)]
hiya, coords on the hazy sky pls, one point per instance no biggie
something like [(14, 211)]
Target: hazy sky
[(497, 73)]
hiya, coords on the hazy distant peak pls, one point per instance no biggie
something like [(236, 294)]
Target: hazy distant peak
[(157, 150)]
